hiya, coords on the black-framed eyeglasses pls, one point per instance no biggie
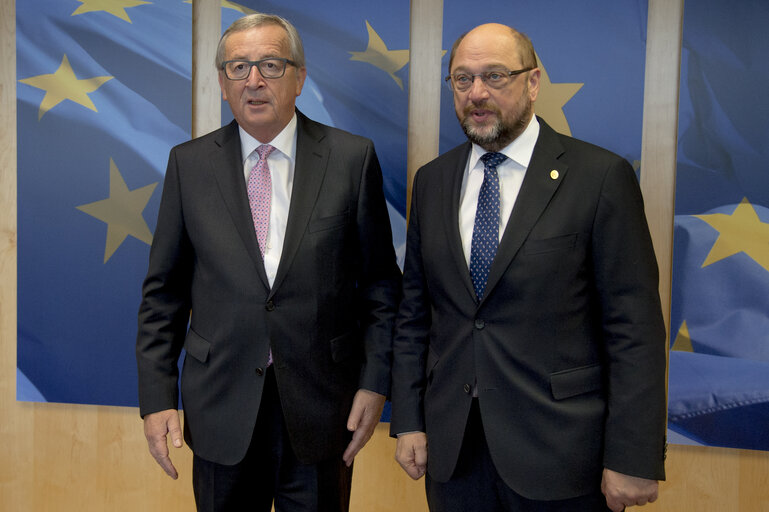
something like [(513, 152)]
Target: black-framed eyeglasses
[(273, 67), (496, 79)]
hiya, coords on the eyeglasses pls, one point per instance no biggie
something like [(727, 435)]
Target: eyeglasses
[(496, 79), (273, 67)]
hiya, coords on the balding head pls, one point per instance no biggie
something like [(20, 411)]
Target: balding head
[(500, 35)]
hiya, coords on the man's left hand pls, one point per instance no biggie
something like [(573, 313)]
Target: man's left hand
[(364, 415), (627, 491)]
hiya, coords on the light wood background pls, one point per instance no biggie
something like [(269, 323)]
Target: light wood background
[(56, 457)]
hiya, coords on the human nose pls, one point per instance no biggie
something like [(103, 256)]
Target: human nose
[(478, 89), (254, 78)]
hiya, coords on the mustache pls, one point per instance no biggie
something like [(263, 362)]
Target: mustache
[(481, 106)]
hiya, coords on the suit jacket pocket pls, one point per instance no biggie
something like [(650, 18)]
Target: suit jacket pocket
[(576, 381), (196, 346), (558, 243), (329, 222)]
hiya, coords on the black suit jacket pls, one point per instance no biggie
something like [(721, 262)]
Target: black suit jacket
[(567, 346), (328, 316)]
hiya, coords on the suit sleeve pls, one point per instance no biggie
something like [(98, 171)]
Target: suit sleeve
[(379, 277), (165, 307), (411, 340), (634, 334)]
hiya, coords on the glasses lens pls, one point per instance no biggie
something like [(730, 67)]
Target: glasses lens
[(237, 69), (462, 82), (272, 68)]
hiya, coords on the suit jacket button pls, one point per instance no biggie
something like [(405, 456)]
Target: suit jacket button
[(468, 388), (260, 371), (479, 324), (270, 306)]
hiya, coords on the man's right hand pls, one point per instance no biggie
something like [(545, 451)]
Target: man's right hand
[(411, 453), (156, 426)]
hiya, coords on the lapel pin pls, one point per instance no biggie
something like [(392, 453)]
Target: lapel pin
[(554, 174)]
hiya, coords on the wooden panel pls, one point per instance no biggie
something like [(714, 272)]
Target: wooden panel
[(660, 132), (206, 95), (88, 458), (424, 86)]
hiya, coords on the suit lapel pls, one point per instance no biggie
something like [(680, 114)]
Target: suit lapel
[(309, 170), (450, 199), (227, 168), (537, 189)]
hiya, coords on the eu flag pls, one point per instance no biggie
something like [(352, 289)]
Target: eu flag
[(719, 360), (104, 91)]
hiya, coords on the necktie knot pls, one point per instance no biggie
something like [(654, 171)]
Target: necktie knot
[(492, 160), (265, 149)]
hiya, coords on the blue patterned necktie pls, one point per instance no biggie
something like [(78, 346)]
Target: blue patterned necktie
[(486, 226)]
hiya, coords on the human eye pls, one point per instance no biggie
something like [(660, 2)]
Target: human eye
[(495, 76), (270, 65), (238, 65), (462, 79)]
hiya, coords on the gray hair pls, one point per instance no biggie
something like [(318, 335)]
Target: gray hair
[(255, 20)]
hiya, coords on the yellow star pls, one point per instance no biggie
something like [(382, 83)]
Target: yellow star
[(226, 4), (683, 341), (64, 85), (113, 7), (122, 211), (378, 55), (742, 231), (551, 99)]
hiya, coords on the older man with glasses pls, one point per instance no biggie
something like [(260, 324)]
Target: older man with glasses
[(272, 265), (529, 354)]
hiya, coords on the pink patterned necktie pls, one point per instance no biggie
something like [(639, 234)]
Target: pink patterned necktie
[(259, 194)]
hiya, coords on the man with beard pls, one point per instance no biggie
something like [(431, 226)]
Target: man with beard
[(529, 355)]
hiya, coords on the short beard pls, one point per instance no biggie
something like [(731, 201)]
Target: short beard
[(501, 133)]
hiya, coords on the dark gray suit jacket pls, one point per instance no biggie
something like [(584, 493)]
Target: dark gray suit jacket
[(328, 316), (567, 346)]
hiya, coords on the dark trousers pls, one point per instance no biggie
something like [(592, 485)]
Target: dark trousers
[(271, 472), (476, 485)]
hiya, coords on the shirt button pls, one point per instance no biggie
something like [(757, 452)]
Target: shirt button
[(479, 324), (260, 371)]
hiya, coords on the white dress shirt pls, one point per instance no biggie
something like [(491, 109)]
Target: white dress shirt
[(511, 173), (281, 163)]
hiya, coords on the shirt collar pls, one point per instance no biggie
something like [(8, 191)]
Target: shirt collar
[(285, 141), (519, 151)]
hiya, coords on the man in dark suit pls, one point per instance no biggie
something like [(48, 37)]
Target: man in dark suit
[(272, 265), (529, 354)]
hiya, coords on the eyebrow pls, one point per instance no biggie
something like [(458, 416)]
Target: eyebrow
[(492, 67)]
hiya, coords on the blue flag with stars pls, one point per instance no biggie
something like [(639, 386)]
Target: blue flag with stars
[(103, 93), (719, 359)]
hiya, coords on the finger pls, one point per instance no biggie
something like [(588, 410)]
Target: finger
[(175, 430), (168, 467), (353, 448)]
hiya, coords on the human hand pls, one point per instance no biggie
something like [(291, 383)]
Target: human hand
[(626, 491), (364, 416), (411, 453), (156, 426)]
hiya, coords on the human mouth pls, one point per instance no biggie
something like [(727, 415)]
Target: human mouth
[(480, 114), (256, 102)]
